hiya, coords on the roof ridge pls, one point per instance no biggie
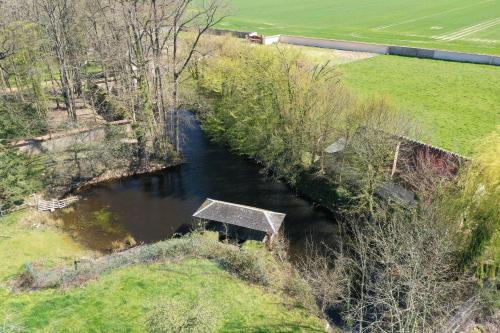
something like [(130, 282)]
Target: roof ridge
[(202, 209), (269, 221), (245, 206)]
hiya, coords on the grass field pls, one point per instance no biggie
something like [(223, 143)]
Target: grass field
[(24, 238), (119, 301), (463, 25), (454, 104)]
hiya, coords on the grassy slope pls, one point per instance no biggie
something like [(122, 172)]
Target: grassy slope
[(454, 103), (25, 240), (404, 22), (118, 301)]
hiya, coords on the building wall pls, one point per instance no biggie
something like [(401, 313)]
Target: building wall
[(271, 40)]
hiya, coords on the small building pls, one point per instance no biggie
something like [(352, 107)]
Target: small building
[(254, 37), (411, 158), (240, 221)]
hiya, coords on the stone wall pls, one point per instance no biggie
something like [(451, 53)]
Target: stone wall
[(61, 140)]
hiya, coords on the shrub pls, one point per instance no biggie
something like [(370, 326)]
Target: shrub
[(247, 265), (181, 316), (108, 105), (19, 120), (472, 201), (20, 176), (284, 116), (480, 195)]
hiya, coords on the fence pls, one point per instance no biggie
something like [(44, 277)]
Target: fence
[(4, 211), (41, 205), (52, 205)]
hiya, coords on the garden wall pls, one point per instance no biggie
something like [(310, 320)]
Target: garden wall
[(386, 49), (335, 44), (405, 51), (62, 140)]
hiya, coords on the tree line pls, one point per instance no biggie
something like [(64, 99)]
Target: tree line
[(50, 50), (121, 59), (428, 265)]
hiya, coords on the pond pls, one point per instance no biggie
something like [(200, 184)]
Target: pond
[(156, 207)]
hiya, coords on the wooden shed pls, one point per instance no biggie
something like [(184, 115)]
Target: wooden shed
[(240, 221)]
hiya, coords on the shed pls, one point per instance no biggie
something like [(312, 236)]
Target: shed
[(251, 222)]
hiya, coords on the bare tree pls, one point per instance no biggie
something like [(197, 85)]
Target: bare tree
[(58, 17), (197, 17), (6, 44), (325, 271)]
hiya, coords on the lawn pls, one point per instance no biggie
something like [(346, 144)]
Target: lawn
[(25, 237), (454, 104), (463, 25), (120, 300)]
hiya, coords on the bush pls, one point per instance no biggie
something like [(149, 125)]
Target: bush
[(478, 198), (181, 316), (399, 272), (20, 176), (284, 116), (18, 120), (246, 264), (108, 105)]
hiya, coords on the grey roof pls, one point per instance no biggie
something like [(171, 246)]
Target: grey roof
[(396, 192), (240, 215), (337, 146)]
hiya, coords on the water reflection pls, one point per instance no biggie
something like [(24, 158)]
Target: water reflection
[(155, 207)]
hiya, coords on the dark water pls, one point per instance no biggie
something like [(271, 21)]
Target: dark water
[(155, 207)]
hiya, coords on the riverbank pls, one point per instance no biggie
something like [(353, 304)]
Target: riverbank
[(126, 295), (117, 174)]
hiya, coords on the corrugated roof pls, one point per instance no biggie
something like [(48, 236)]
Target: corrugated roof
[(240, 215)]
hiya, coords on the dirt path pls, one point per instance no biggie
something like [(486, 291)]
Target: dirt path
[(58, 118)]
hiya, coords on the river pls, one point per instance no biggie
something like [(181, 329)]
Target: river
[(155, 207)]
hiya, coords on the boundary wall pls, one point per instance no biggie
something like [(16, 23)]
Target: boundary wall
[(405, 51), (59, 141)]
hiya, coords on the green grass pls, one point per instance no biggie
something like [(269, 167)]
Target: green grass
[(454, 104), (118, 302), (401, 22), (24, 238)]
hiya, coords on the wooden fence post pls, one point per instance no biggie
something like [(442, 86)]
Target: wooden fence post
[(395, 163)]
